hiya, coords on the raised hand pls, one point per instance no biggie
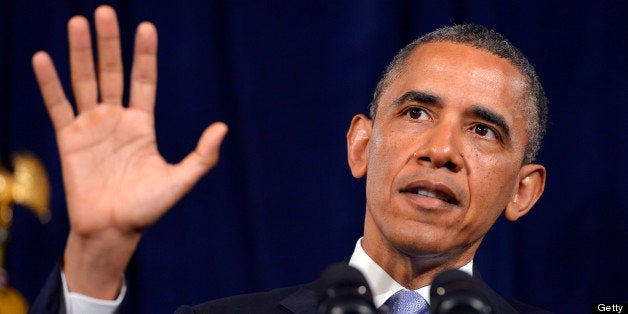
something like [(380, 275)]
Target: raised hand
[(116, 182)]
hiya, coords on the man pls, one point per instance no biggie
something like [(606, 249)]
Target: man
[(455, 125)]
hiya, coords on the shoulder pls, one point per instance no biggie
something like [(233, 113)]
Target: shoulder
[(275, 301), (502, 304)]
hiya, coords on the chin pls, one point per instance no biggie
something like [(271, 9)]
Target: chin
[(421, 243)]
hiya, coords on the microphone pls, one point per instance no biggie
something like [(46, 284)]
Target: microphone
[(454, 291), (344, 291)]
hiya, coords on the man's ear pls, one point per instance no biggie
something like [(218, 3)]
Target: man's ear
[(357, 143), (531, 186)]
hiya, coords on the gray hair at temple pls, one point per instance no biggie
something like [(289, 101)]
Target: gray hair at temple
[(535, 102)]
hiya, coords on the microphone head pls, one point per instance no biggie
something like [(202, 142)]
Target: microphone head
[(454, 291), (344, 290)]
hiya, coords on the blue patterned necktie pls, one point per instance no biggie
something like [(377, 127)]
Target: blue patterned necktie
[(407, 302)]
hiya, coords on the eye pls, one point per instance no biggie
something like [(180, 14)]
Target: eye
[(484, 131), (416, 113)]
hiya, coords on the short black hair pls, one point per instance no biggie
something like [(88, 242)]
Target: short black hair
[(489, 40)]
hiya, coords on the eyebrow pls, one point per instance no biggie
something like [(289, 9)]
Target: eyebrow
[(419, 97), (492, 117)]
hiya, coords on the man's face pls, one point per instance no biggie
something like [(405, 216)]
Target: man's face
[(443, 157)]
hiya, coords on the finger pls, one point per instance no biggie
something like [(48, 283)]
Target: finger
[(82, 64), (144, 72), (110, 72), (59, 108), (203, 158)]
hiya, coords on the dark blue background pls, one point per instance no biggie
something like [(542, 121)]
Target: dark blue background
[(287, 77)]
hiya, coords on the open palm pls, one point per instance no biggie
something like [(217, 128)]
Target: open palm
[(117, 184)]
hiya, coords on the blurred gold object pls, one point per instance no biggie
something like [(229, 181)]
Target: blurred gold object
[(27, 186), (11, 301)]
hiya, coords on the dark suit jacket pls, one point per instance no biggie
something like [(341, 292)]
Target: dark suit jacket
[(297, 299), (303, 299)]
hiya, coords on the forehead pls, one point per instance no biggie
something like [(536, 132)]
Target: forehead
[(462, 76)]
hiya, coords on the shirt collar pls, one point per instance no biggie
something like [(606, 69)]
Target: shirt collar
[(382, 285)]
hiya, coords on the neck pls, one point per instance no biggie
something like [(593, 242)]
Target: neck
[(410, 267)]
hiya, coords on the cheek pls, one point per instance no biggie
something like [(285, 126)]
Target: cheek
[(387, 156), (492, 188), (384, 155), (377, 158)]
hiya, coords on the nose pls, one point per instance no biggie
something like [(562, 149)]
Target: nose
[(442, 147)]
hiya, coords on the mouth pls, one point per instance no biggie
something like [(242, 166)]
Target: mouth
[(432, 190)]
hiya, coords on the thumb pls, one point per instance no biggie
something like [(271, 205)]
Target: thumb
[(203, 158)]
